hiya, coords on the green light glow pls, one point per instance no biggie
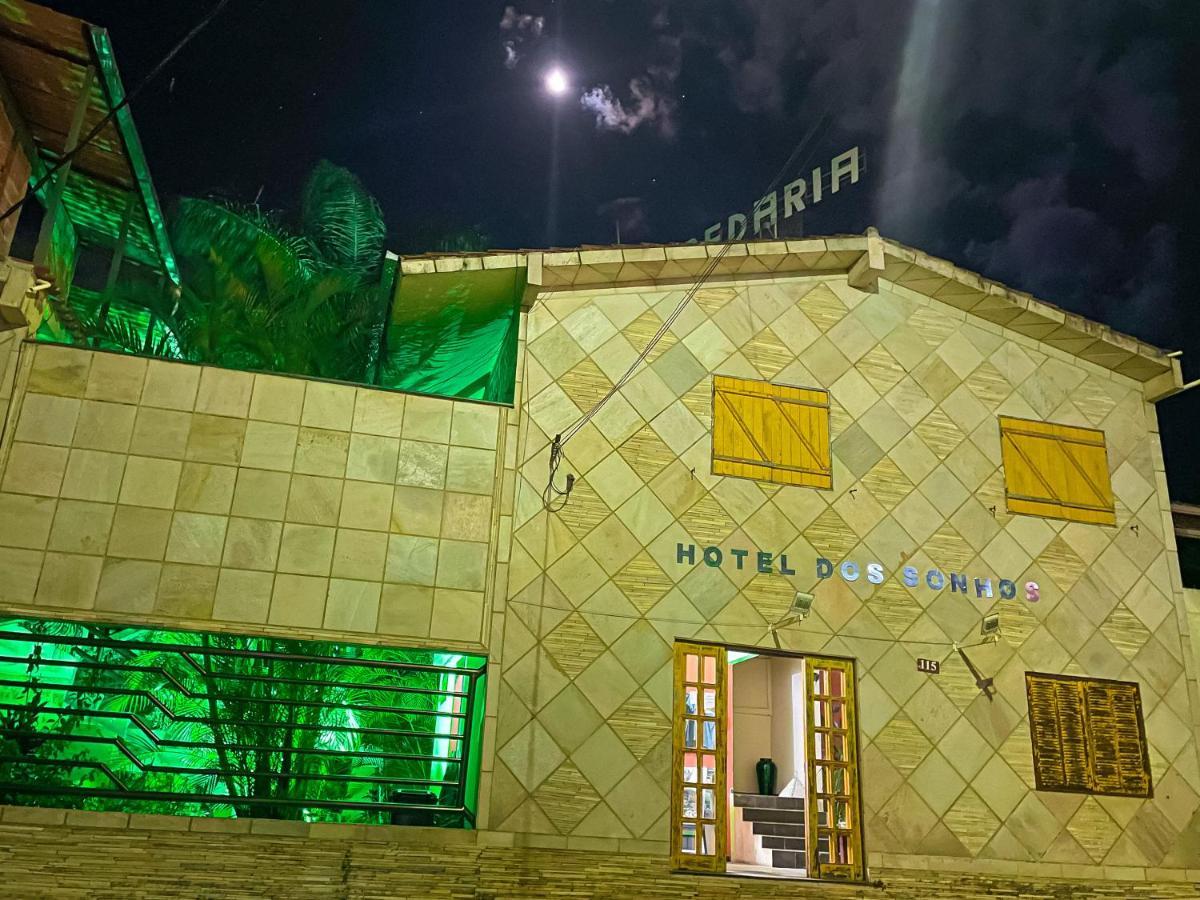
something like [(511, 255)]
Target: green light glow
[(147, 720)]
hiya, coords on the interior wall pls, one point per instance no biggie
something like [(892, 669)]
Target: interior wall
[(768, 720), (751, 737), (787, 724)]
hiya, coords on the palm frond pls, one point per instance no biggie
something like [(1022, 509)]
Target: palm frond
[(343, 221)]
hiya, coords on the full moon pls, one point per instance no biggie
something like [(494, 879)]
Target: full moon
[(556, 82)]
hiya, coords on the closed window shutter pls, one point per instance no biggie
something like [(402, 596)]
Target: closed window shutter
[(1056, 471), (1114, 712), (1087, 736), (771, 432)]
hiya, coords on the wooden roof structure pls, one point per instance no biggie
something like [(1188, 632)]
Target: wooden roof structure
[(47, 62)]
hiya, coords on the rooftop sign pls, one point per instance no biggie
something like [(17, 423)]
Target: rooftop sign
[(793, 197)]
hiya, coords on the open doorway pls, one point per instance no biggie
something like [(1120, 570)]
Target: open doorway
[(768, 765), (765, 781)]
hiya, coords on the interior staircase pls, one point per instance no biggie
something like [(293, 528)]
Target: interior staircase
[(779, 823)]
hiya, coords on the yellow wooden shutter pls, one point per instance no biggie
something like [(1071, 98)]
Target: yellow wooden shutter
[(771, 432), (1088, 735), (1056, 471)]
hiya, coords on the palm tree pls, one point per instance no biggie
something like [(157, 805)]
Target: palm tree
[(262, 295)]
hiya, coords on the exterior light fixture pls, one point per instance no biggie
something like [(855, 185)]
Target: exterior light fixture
[(797, 612), (990, 627), (801, 605)]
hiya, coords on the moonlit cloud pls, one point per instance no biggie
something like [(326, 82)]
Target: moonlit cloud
[(647, 106), (521, 28)]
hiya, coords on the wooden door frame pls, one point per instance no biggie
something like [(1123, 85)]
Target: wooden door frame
[(723, 799)]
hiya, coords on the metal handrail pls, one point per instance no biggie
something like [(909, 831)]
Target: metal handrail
[(78, 721)]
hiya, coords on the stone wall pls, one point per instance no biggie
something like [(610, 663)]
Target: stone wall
[(161, 492), (597, 593), (49, 855)]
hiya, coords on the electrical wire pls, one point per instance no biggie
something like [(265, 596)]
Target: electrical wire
[(66, 158), (953, 645), (554, 498)]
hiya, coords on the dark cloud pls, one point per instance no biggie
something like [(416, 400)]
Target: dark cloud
[(1031, 140), (629, 216)]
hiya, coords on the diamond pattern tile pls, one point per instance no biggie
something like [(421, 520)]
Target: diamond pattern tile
[(770, 595), (584, 511), (830, 536), (585, 384), (988, 385), (573, 645), (1095, 399), (641, 651), (707, 521), (531, 755), (1094, 829), (880, 369), (933, 324), (768, 353), (640, 724), (939, 433), (643, 582), (950, 552), (894, 607), (887, 484), (645, 453), (1125, 631), (566, 797), (641, 330), (1061, 563), (971, 821), (822, 307), (903, 743)]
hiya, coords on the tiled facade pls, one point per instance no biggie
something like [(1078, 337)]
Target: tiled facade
[(597, 594), (162, 492), (140, 490)]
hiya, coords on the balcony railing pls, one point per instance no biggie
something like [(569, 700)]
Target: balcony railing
[(142, 720)]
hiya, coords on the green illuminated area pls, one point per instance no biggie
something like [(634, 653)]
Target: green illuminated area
[(107, 717), (311, 293)]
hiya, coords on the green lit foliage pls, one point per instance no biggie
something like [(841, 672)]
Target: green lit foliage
[(262, 295), (205, 724)]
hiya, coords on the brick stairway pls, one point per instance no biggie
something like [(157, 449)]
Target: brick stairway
[(779, 822)]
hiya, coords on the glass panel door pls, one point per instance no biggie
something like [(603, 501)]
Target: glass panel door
[(698, 802), (835, 833)]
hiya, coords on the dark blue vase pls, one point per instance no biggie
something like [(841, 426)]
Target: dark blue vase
[(766, 771)]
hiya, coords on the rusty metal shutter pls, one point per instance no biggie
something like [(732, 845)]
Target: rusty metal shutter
[(771, 432), (1056, 471)]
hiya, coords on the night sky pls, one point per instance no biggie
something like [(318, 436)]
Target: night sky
[(1048, 144)]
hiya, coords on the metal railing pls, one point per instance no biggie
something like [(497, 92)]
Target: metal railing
[(135, 719)]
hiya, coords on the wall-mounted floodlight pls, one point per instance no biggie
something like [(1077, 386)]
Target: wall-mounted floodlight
[(797, 612), (801, 605), (990, 627)]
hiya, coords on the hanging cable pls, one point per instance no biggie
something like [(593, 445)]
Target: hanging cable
[(125, 101), (552, 494)]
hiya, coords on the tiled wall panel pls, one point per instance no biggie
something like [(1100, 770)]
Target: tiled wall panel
[(157, 491)]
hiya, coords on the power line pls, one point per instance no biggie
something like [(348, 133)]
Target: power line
[(66, 158), (554, 498)]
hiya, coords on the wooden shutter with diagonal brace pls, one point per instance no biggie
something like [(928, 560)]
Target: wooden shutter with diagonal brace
[(1088, 735), (1056, 471), (771, 432)]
